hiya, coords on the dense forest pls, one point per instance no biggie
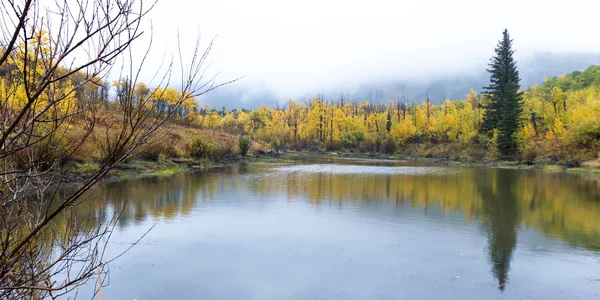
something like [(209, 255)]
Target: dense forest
[(558, 123)]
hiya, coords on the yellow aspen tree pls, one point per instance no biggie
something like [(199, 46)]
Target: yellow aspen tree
[(403, 131), (468, 124)]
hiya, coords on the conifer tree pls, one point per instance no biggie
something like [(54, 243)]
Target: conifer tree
[(505, 106), (388, 122)]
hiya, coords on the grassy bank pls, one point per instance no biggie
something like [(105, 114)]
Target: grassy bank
[(139, 168)]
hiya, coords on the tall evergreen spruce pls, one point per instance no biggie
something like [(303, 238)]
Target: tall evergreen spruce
[(505, 106)]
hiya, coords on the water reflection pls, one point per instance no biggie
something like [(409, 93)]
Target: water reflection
[(498, 195), (561, 206)]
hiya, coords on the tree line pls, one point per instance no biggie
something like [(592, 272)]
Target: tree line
[(504, 121), (555, 121)]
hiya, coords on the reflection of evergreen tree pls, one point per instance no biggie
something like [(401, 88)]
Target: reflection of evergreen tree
[(543, 198), (497, 190)]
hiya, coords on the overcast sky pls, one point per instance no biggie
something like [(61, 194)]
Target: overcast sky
[(291, 46)]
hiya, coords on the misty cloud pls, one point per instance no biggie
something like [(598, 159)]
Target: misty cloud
[(295, 49), (533, 70)]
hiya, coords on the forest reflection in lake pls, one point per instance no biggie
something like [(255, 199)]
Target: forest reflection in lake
[(411, 230)]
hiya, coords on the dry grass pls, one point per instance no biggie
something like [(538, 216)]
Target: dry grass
[(172, 141)]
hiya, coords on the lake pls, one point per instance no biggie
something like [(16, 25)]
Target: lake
[(334, 228)]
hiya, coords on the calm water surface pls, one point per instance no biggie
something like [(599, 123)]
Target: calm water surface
[(355, 229)]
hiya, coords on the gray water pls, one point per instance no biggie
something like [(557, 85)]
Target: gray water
[(354, 229)]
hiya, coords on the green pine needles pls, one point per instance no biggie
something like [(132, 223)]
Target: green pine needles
[(504, 107)]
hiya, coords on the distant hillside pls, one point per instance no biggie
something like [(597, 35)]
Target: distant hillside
[(573, 81), (533, 70)]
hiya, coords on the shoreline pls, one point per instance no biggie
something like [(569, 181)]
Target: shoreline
[(136, 169), (591, 166)]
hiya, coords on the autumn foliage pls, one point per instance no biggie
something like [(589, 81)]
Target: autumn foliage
[(555, 125), (559, 122)]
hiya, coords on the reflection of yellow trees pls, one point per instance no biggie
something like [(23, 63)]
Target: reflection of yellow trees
[(161, 197), (136, 200), (563, 206), (449, 192), (559, 205)]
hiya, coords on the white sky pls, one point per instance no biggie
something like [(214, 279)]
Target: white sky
[(291, 46)]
